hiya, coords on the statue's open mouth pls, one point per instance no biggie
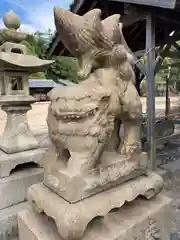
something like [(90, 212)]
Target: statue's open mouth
[(77, 116)]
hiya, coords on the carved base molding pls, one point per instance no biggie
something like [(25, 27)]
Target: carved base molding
[(72, 219), (17, 135), (138, 220), (112, 170)]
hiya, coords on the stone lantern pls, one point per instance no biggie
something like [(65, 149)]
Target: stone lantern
[(15, 100)]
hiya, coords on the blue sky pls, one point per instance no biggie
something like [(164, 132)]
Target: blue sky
[(35, 14)]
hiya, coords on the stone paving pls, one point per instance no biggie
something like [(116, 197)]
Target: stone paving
[(172, 189)]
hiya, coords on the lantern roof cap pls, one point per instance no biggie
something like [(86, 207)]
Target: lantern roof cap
[(13, 54), (21, 62)]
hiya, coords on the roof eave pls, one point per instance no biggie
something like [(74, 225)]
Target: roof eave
[(169, 4)]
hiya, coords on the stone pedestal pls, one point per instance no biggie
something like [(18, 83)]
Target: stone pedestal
[(13, 189), (19, 146), (8, 221), (13, 192), (17, 174), (21, 162), (8, 162), (113, 170), (140, 219), (17, 136), (72, 219)]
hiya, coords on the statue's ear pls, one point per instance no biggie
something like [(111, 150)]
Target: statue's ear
[(111, 22), (93, 18), (66, 19), (68, 26), (123, 41), (79, 34), (111, 28), (93, 15)]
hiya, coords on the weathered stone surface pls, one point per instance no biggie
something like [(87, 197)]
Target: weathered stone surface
[(114, 169), (15, 65), (12, 53), (72, 219), (27, 63), (9, 161), (8, 220), (88, 160), (13, 189), (34, 226), (43, 139), (8, 47), (175, 236), (84, 120), (17, 134), (140, 219)]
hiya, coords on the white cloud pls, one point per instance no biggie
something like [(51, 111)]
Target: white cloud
[(1, 23), (27, 28), (39, 13)]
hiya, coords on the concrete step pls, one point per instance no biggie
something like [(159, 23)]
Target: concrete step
[(13, 189), (8, 221)]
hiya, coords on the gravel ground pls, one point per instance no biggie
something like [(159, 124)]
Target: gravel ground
[(170, 162), (172, 189)]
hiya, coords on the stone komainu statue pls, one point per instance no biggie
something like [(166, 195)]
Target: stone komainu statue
[(87, 164), (84, 120)]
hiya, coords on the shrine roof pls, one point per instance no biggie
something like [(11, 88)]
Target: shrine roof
[(166, 14)]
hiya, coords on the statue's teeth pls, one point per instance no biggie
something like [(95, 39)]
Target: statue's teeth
[(92, 112)]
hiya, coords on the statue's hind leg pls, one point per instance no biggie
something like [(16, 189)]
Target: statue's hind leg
[(131, 120), (131, 141), (114, 141)]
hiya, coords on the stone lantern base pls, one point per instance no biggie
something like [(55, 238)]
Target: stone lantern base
[(17, 136), (13, 191), (18, 171), (138, 220)]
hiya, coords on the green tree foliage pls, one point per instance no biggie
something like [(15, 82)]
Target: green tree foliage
[(63, 67), (1, 38), (172, 61), (36, 46)]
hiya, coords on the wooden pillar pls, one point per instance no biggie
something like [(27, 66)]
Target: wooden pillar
[(168, 101), (150, 48)]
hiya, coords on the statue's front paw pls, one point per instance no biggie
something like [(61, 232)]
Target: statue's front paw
[(80, 164), (129, 150)]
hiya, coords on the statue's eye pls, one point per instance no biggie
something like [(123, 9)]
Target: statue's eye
[(105, 98)]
